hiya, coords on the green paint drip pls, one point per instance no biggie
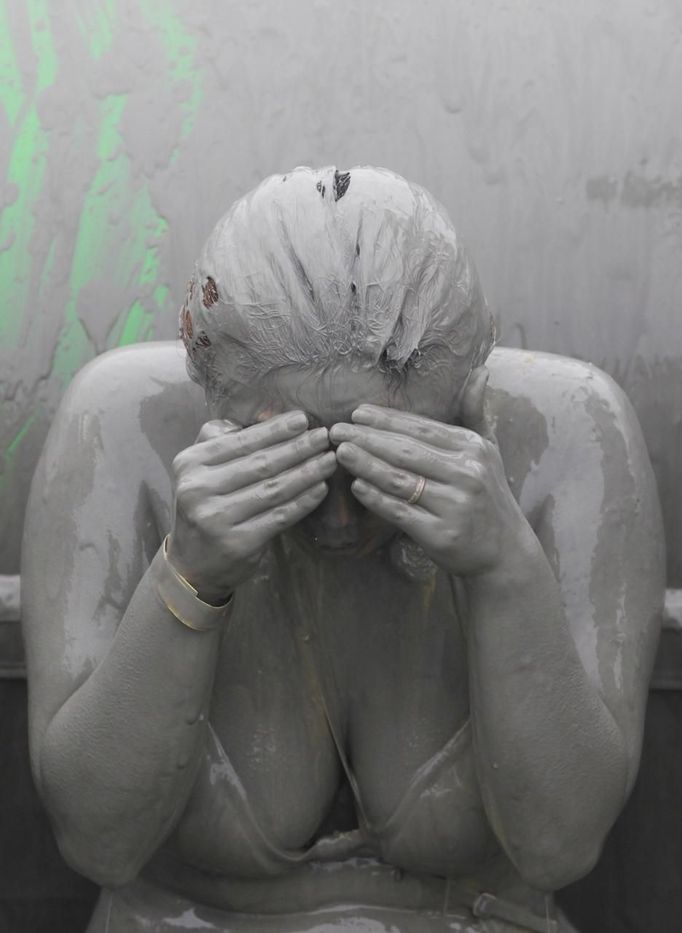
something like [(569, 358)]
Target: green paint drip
[(180, 46), (138, 325), (27, 172), (11, 451), (14, 444), (107, 191), (96, 24), (41, 39), (160, 295), (139, 266), (11, 85), (100, 251), (48, 267)]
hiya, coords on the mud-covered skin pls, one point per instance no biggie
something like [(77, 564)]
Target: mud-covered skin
[(121, 693)]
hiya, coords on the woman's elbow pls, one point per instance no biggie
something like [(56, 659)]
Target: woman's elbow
[(107, 864), (549, 866), (96, 845)]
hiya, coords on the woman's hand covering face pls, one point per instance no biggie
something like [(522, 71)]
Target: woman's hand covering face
[(236, 489), (466, 514)]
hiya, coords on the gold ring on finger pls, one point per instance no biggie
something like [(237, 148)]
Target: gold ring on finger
[(418, 490)]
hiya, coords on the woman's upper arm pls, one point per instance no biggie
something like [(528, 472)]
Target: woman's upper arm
[(600, 526), (87, 536)]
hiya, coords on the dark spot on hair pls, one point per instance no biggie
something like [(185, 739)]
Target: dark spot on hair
[(190, 289), (203, 340), (393, 371), (353, 287), (386, 364), (284, 178), (301, 274), (412, 358), (210, 292), (341, 183), (321, 188), (357, 249)]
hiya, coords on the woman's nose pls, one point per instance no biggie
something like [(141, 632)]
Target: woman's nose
[(341, 508)]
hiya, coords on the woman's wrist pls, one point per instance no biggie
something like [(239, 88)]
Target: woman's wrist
[(520, 563), (181, 598)]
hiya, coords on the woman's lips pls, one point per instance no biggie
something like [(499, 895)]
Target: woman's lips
[(337, 546)]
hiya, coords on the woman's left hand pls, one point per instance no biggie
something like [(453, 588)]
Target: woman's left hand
[(462, 512)]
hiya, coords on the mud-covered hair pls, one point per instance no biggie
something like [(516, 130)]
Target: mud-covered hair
[(317, 265)]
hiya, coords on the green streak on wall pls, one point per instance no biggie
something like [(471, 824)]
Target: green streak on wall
[(160, 295), (180, 46), (26, 171), (18, 437), (48, 267), (11, 450), (41, 39), (108, 190), (140, 266), (95, 22), (135, 256), (11, 86), (139, 259), (138, 325)]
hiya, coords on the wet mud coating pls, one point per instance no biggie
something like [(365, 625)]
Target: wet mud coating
[(420, 584)]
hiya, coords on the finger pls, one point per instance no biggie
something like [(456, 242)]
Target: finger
[(271, 493), (401, 451), (396, 482), (412, 519), (217, 428), (233, 444), (435, 433), (245, 471), (264, 527), (473, 407)]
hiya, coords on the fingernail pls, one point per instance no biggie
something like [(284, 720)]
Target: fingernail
[(346, 451), (359, 485), (318, 434), (338, 430), (297, 421)]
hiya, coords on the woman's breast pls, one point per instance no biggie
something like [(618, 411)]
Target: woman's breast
[(386, 673)]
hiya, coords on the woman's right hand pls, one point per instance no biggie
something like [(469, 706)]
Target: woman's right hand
[(236, 489)]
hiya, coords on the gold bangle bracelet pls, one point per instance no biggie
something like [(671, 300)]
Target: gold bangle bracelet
[(180, 597)]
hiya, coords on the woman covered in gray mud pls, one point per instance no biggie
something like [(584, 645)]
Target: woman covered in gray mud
[(336, 619)]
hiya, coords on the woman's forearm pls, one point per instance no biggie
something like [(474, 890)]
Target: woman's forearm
[(118, 759), (550, 757)]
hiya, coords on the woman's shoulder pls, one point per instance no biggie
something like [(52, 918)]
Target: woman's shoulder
[(556, 385), (139, 393), (555, 416), (134, 373)]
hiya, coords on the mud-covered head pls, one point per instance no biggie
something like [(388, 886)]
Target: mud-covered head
[(319, 267)]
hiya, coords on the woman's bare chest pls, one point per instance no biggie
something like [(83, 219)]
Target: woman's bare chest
[(322, 665)]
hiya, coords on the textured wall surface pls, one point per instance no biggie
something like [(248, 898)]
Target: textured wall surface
[(551, 131)]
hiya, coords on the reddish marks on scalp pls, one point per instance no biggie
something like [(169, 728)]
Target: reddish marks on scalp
[(187, 332), (210, 292), (186, 326)]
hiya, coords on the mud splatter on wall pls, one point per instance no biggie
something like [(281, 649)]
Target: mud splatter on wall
[(551, 131)]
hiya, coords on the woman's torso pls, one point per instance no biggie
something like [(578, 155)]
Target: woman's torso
[(311, 641)]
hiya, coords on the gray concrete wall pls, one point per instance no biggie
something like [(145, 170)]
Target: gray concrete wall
[(551, 131)]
